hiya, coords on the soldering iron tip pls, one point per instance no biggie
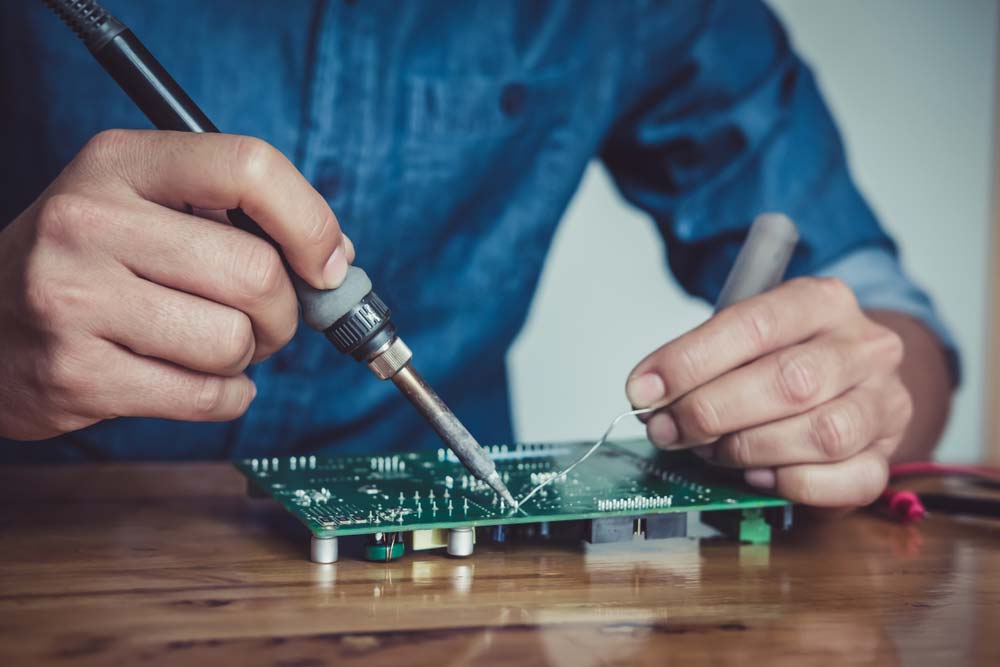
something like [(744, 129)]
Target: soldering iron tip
[(501, 489)]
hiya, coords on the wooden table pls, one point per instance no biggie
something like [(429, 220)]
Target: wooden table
[(172, 564)]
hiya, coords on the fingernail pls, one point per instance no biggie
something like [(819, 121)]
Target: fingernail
[(253, 390), (707, 452), (349, 248), (336, 268), (761, 478), (644, 390), (661, 429)]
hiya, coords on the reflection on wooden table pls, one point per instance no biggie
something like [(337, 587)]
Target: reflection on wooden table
[(171, 564)]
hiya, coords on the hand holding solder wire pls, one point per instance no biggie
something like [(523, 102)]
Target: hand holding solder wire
[(798, 386)]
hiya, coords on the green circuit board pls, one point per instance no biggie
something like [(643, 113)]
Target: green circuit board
[(355, 495)]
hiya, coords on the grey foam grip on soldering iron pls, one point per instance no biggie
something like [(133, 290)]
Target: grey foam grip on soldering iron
[(321, 308), (762, 261)]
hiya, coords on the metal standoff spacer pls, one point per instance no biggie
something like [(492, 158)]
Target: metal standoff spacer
[(460, 542), (323, 549), (388, 363)]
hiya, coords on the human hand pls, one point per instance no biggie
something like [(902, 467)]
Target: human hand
[(116, 299), (798, 386)]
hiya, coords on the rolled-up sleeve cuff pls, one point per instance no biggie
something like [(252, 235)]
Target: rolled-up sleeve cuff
[(879, 282)]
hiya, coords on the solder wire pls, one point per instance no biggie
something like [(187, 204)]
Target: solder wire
[(603, 439)]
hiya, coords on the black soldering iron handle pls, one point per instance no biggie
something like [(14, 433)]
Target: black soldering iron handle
[(352, 316), (149, 85), (161, 98)]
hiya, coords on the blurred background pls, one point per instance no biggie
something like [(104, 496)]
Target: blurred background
[(911, 84)]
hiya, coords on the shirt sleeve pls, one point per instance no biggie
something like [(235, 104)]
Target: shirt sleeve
[(731, 127), (734, 125), (879, 282)]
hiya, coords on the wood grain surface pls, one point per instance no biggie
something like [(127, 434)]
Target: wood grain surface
[(173, 565)]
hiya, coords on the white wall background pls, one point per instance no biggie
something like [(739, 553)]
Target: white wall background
[(911, 83)]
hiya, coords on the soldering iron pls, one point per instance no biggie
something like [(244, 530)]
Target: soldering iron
[(351, 316)]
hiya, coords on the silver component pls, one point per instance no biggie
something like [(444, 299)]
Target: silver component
[(323, 549), (460, 542), (388, 363)]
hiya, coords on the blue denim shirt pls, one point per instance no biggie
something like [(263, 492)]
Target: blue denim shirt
[(449, 138)]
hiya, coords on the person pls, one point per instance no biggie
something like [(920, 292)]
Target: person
[(448, 138)]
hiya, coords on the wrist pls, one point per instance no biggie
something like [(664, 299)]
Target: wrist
[(926, 374)]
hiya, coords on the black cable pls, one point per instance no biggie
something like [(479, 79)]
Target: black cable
[(952, 504)]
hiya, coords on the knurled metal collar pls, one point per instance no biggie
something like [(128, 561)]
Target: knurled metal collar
[(389, 362)]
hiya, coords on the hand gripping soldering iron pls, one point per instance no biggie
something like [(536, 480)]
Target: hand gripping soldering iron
[(352, 316)]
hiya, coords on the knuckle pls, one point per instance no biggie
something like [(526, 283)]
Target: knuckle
[(62, 215), (238, 346), (63, 374), (65, 422), (703, 419), (261, 271), (210, 397), (758, 324), (871, 481), (678, 366), (41, 301), (901, 405), (835, 432), (834, 291), (286, 334), (738, 450), (51, 302), (796, 486), (890, 346), (106, 144), (799, 378), (319, 228), (253, 160), (906, 406)]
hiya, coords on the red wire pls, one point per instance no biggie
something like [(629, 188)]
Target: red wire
[(905, 506), (902, 505)]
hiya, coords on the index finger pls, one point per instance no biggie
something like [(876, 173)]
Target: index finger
[(790, 313), (183, 170)]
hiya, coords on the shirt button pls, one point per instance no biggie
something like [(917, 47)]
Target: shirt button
[(512, 98)]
